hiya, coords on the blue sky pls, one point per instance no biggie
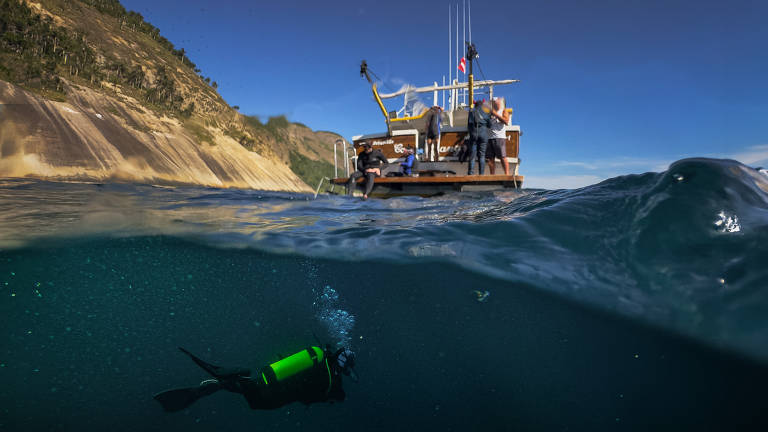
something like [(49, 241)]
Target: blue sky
[(607, 87)]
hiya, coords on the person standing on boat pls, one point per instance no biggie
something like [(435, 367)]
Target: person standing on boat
[(369, 166), (433, 132), (497, 144), (478, 123)]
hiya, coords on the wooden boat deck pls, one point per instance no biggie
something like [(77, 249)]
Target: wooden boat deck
[(426, 179)]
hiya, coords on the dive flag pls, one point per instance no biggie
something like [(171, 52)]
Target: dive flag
[(463, 65)]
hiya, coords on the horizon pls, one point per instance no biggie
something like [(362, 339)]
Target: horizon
[(608, 90)]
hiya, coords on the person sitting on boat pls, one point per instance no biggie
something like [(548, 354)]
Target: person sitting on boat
[(407, 165), (497, 144), (311, 375), (478, 123), (369, 166), (433, 132)]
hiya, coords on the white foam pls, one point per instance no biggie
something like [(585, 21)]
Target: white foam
[(727, 223)]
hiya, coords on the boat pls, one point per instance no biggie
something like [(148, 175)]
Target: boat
[(436, 173)]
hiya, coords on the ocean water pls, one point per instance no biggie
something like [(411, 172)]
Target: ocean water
[(640, 303)]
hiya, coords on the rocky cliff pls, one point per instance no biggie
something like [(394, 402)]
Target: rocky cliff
[(95, 138), (91, 92)]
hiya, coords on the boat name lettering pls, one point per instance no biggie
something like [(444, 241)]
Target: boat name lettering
[(378, 143), (454, 149)]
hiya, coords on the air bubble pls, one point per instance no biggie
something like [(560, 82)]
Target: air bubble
[(338, 321)]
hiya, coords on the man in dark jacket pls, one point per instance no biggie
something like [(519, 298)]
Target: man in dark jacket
[(369, 163), (478, 123)]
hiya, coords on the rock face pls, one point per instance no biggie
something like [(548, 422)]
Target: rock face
[(90, 91), (96, 137)]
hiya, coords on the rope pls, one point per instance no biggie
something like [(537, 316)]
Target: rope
[(477, 60), (381, 80)]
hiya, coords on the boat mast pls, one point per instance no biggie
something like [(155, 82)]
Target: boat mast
[(471, 47), (471, 55), (450, 56), (464, 33)]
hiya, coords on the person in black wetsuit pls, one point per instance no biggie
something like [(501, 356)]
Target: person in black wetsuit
[(369, 163), (433, 132), (309, 376), (478, 124)]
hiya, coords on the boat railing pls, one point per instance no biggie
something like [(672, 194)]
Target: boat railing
[(349, 157), (454, 100)]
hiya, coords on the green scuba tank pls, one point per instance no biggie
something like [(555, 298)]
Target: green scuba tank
[(297, 363)]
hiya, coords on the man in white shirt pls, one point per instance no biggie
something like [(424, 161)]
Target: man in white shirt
[(497, 143)]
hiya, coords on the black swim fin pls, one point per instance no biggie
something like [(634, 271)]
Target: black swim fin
[(218, 372), (178, 399)]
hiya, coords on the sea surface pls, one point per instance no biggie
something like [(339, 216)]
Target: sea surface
[(640, 303)]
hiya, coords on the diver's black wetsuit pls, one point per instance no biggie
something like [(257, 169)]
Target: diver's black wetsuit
[(321, 383), (365, 161), (318, 379)]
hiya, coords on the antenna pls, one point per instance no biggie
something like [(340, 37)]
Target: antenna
[(450, 50), (464, 29), (470, 21)]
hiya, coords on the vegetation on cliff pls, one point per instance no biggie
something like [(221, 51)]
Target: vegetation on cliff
[(46, 46), (308, 170), (33, 50), (36, 53)]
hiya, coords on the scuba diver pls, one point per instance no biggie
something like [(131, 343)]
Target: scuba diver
[(311, 375)]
